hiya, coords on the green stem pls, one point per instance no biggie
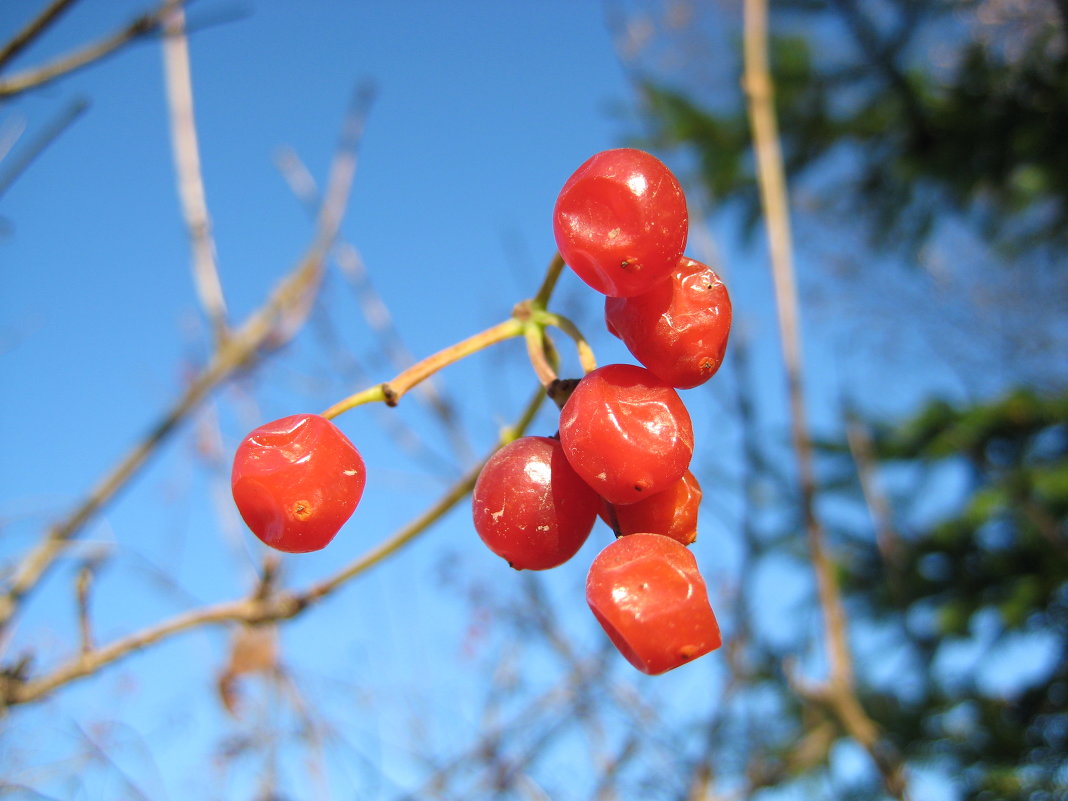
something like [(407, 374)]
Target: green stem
[(548, 284), (536, 350), (529, 320), (585, 352)]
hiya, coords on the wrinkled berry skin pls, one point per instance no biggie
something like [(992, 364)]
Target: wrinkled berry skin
[(296, 481), (679, 328), (647, 593), (620, 222), (626, 432), (530, 507), (671, 512)]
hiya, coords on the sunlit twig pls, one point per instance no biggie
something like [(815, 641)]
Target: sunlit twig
[(39, 76), (189, 175)]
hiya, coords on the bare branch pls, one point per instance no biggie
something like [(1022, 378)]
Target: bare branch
[(33, 29), (38, 76), (189, 174), (839, 691), (772, 179)]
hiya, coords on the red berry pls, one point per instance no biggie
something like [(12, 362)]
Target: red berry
[(296, 481), (620, 222), (672, 512), (530, 507), (679, 328), (647, 593), (626, 432)]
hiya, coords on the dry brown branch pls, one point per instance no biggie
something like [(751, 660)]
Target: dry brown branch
[(839, 691), (33, 29), (188, 171), (39, 76), (261, 329)]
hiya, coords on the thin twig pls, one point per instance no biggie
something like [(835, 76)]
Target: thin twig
[(37, 145), (39, 76), (860, 447), (840, 691), (773, 192), (82, 585), (188, 170), (33, 29)]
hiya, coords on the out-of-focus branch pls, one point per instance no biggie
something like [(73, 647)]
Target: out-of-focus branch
[(772, 179), (33, 29), (839, 692), (260, 330), (860, 446), (188, 171), (39, 76), (262, 607), (21, 160)]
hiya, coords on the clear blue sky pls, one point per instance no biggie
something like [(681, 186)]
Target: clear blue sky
[(483, 109)]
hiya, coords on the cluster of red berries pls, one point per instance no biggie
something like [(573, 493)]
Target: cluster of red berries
[(625, 438)]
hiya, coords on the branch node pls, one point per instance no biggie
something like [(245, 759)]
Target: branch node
[(389, 395)]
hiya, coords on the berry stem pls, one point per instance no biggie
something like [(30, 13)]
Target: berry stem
[(392, 391), (548, 283), (528, 319), (585, 352), (538, 345)]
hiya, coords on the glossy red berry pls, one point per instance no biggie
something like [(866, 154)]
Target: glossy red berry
[(296, 481), (620, 222), (679, 328), (626, 432), (530, 507), (672, 512), (647, 593)]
